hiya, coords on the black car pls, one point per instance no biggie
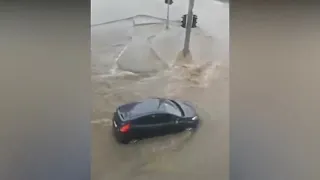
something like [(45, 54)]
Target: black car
[(152, 117)]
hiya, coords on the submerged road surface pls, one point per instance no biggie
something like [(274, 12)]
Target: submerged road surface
[(137, 58)]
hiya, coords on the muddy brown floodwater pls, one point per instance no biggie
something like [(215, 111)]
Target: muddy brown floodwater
[(135, 62)]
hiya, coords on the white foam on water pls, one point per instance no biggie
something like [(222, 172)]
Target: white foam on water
[(115, 75), (139, 57), (104, 122), (115, 63)]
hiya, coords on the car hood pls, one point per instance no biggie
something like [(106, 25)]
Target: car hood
[(187, 107)]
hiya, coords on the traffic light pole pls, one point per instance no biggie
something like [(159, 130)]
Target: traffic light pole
[(186, 49), (167, 23)]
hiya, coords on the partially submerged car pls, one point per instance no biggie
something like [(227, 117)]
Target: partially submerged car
[(152, 116)]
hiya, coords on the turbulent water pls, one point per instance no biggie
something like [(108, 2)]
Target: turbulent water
[(134, 59)]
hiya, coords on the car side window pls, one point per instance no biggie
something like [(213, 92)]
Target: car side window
[(153, 119), (142, 120), (162, 118)]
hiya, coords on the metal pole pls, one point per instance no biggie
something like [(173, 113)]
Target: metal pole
[(188, 29), (167, 23)]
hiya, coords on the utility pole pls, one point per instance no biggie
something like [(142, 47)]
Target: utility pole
[(168, 2), (186, 49), (168, 8)]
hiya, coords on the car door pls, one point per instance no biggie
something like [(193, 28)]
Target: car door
[(163, 123), (142, 125), (176, 122), (152, 124)]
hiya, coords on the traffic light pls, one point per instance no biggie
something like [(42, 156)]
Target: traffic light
[(168, 2), (184, 21), (194, 21)]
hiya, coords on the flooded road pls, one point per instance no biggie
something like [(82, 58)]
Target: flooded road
[(136, 58)]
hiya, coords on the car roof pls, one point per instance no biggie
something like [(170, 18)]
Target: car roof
[(148, 107)]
